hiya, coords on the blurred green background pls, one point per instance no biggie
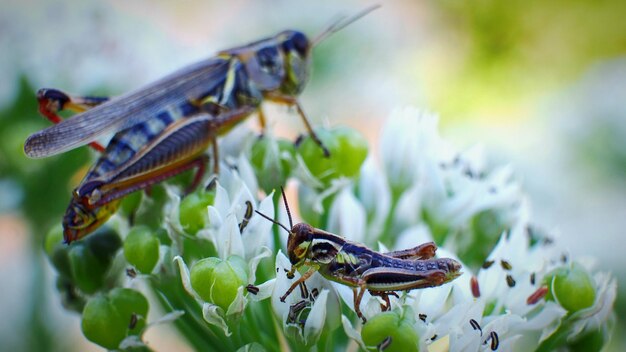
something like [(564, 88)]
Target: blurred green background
[(542, 85)]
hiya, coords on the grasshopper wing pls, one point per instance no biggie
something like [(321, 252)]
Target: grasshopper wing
[(188, 84)]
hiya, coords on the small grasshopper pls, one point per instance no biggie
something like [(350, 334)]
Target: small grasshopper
[(363, 269), (163, 129)]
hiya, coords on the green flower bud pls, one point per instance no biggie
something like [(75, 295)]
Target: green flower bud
[(348, 150), (132, 307), (272, 162), (104, 243), (390, 325), (88, 272), (131, 203), (107, 320), (103, 324), (217, 280), (54, 239), (141, 249), (193, 214), (571, 287)]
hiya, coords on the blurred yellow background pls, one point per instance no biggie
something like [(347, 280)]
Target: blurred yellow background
[(541, 85)]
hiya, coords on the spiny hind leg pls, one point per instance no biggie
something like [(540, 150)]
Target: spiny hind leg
[(52, 101)]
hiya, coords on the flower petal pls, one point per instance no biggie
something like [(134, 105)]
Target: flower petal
[(212, 314)]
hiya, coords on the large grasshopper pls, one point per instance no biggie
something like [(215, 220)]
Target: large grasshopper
[(163, 129), (363, 269)]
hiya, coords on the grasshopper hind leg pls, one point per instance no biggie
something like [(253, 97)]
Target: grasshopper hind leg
[(52, 101)]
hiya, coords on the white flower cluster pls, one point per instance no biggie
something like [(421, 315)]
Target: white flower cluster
[(427, 192)]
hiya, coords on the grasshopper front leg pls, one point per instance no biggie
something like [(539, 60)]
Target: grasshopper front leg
[(52, 101), (296, 283)]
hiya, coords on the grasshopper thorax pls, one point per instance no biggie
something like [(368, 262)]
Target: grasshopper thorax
[(300, 239)]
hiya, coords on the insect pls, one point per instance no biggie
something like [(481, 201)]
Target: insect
[(363, 269), (163, 129)]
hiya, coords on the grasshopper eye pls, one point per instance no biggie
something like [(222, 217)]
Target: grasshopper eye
[(300, 43), (296, 41)]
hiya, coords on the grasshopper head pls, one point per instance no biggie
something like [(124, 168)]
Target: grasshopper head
[(299, 242), (296, 50), (451, 267), (80, 221)]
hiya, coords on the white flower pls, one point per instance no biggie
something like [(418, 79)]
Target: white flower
[(225, 217), (347, 216), (305, 312), (408, 138), (374, 194)]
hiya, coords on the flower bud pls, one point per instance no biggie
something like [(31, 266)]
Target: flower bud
[(389, 329), (348, 150), (141, 249), (272, 162), (217, 281), (130, 203), (571, 287), (88, 272), (132, 306), (193, 211), (107, 320), (103, 324), (104, 243)]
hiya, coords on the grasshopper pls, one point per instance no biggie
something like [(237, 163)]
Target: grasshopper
[(355, 265), (163, 129)]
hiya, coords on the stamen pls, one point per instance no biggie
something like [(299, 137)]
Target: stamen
[(537, 295), (476, 326), (474, 286), (510, 281)]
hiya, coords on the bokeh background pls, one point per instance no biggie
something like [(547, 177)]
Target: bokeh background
[(541, 85)]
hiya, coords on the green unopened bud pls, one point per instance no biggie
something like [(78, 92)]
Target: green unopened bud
[(348, 150), (54, 239), (131, 203), (104, 243), (103, 324), (571, 287), (272, 162), (141, 249), (390, 331), (217, 281), (88, 272), (132, 307), (107, 320), (194, 215)]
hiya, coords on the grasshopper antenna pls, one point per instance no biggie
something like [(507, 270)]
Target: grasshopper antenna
[(282, 191), (340, 24), (272, 220)]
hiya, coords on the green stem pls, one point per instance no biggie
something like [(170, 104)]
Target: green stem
[(197, 332)]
